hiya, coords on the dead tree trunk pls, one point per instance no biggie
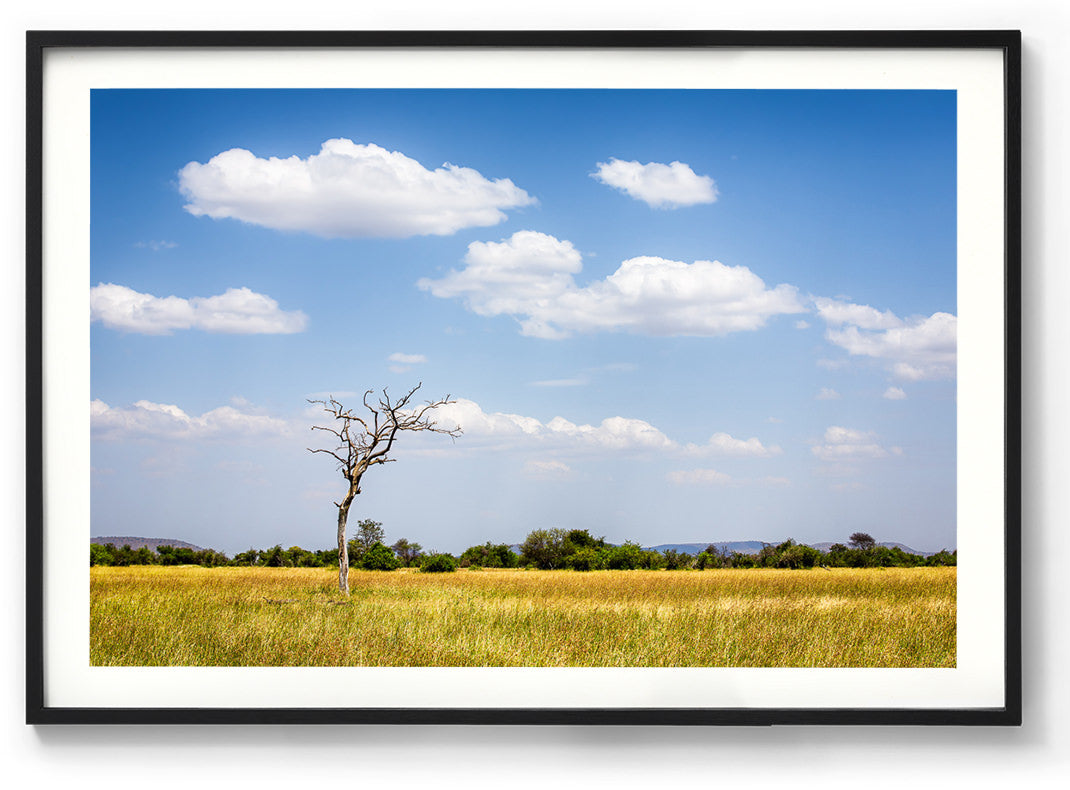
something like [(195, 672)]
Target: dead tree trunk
[(343, 547), (366, 441)]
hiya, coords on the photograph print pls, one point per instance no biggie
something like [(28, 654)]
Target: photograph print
[(523, 378)]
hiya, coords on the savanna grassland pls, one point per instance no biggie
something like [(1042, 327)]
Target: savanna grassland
[(191, 616)]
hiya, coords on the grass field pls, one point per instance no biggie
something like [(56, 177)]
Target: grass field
[(191, 616)]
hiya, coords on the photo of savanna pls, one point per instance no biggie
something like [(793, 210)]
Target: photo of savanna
[(523, 378)]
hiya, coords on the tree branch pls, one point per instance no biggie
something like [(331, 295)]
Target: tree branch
[(370, 444)]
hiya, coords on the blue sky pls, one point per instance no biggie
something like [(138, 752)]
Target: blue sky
[(666, 315)]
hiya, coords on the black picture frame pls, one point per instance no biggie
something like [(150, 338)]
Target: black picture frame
[(38, 709)]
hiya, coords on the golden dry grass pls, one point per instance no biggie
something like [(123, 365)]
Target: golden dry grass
[(153, 616)]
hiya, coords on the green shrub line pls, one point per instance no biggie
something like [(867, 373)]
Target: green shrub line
[(439, 563), (543, 549)]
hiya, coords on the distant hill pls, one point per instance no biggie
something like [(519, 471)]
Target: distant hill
[(137, 543), (754, 546), (742, 546), (828, 545)]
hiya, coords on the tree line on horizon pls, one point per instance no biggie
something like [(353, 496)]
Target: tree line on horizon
[(542, 549)]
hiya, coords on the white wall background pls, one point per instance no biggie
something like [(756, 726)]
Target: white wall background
[(166, 757)]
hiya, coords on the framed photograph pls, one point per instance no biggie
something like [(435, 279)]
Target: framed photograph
[(523, 377)]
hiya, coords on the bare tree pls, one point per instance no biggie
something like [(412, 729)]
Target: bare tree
[(367, 440)]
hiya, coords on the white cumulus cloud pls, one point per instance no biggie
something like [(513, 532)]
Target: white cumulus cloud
[(658, 185), (407, 359), (712, 477), (894, 393), (923, 348), (836, 312), (235, 311), (500, 430), (699, 477), (547, 469), (404, 362), (146, 419), (614, 433), (347, 190), (827, 393), (530, 277), (843, 444), (723, 444), (156, 246), (920, 347), (775, 482)]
